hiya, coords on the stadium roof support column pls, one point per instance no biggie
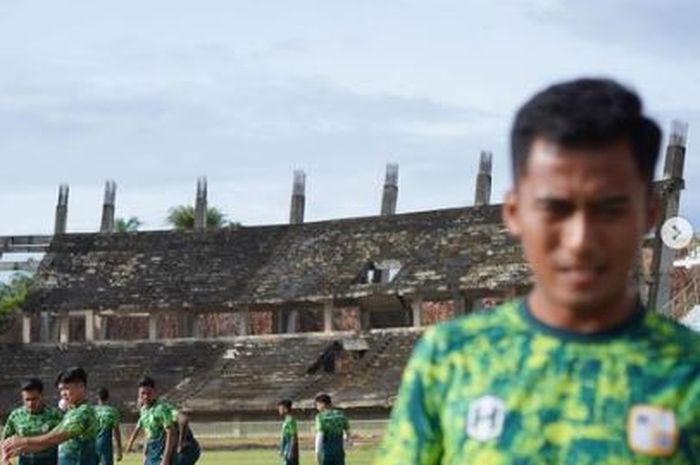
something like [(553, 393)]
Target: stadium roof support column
[(64, 329), (482, 196), (391, 190), (61, 210), (153, 326), (244, 317), (328, 317), (26, 329), (45, 328), (89, 325), (296, 216), (416, 309), (296, 213), (662, 261), (200, 206), (107, 223)]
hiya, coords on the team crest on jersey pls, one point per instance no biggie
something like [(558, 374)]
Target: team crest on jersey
[(45, 428), (652, 431), (485, 418)]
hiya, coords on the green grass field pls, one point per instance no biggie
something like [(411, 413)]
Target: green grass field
[(355, 456)]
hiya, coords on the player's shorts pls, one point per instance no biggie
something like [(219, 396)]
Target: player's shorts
[(85, 455), (154, 451), (189, 454), (39, 459), (333, 461), (294, 461), (104, 448)]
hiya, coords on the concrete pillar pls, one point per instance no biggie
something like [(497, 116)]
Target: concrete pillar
[(244, 321), (416, 310), (328, 317), (101, 327), (296, 214), (365, 319), (107, 223), (26, 329), (293, 322), (89, 326), (197, 324), (153, 326), (45, 329), (482, 196), (662, 260), (64, 329), (61, 210), (391, 189), (200, 207)]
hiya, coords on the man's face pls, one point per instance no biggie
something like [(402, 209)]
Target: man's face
[(580, 215), (33, 401), (320, 406), (74, 392), (281, 410), (146, 396)]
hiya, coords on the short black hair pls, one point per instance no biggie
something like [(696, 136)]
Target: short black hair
[(586, 113), (324, 399), (32, 385), (147, 381), (286, 403), (103, 394), (72, 375)]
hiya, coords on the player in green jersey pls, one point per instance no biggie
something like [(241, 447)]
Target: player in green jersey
[(289, 443), (74, 435), (579, 372), (34, 418), (108, 428), (332, 430), (158, 420)]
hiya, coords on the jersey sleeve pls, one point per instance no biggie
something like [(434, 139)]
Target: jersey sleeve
[(414, 434), (166, 416), (74, 423), (10, 428), (317, 423)]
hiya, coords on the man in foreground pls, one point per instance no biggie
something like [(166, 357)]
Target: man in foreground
[(34, 418), (75, 434), (579, 372)]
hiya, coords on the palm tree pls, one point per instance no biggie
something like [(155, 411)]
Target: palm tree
[(182, 218), (123, 225)]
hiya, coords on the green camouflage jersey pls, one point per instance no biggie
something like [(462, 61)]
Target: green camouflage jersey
[(154, 419), (332, 423), (500, 388), (22, 423), (289, 445), (80, 422), (107, 418)]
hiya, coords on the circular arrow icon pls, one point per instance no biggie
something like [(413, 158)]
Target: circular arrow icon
[(676, 232)]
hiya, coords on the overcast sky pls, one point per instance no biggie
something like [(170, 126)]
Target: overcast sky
[(154, 94)]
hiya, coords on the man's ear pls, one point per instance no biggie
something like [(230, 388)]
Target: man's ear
[(653, 211), (509, 212)]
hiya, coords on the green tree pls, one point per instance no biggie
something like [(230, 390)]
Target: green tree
[(124, 225), (12, 296), (182, 218)]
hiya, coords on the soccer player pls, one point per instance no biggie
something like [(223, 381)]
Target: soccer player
[(332, 429), (578, 372), (289, 445), (108, 427), (34, 418), (74, 435), (158, 420)]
